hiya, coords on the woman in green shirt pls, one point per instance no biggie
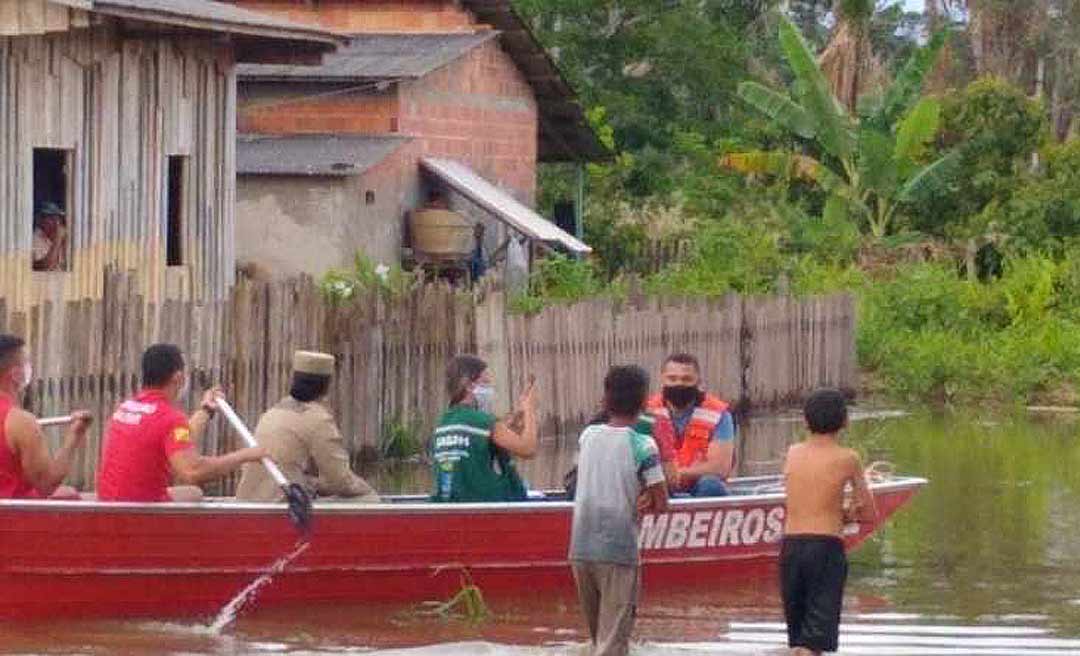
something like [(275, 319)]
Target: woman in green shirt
[(471, 448)]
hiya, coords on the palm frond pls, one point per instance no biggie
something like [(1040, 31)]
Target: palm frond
[(907, 88), (930, 178), (778, 107), (792, 166), (917, 129), (834, 126), (877, 168)]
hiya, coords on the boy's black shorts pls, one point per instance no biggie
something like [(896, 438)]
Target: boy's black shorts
[(813, 570)]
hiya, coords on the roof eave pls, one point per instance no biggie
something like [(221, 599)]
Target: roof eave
[(501, 15), (319, 39)]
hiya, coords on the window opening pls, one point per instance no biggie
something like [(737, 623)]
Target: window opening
[(174, 211), (50, 245)]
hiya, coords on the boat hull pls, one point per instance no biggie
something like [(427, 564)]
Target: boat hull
[(82, 559)]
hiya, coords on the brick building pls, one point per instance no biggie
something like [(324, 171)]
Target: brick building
[(448, 94)]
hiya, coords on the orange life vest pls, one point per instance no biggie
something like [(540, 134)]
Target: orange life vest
[(699, 430)]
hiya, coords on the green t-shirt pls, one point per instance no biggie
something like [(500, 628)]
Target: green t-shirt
[(467, 466)]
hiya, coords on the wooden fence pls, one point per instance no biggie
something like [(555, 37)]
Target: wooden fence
[(756, 352)]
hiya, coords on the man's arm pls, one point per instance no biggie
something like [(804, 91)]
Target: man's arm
[(865, 509), (200, 419), (54, 261), (720, 456), (717, 462), (664, 436), (336, 477), (653, 499), (191, 468), (45, 473)]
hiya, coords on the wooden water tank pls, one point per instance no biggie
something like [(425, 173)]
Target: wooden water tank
[(441, 233)]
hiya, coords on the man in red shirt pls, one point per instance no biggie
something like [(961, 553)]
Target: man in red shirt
[(149, 441), (27, 471)]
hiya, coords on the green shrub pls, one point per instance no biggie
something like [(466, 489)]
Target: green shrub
[(931, 335), (341, 286), (728, 255), (561, 279), (401, 439)]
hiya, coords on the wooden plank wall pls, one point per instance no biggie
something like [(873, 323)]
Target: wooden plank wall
[(392, 354), (26, 17), (122, 106)]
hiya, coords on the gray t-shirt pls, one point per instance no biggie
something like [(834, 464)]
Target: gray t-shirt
[(614, 465)]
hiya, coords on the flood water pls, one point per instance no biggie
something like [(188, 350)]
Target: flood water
[(985, 561)]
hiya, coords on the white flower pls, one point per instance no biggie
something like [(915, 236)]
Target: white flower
[(383, 272)]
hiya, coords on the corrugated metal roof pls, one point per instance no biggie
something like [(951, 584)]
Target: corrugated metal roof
[(468, 183), (213, 16), (379, 56), (316, 155)]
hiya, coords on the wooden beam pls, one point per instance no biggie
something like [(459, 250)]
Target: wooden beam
[(85, 5)]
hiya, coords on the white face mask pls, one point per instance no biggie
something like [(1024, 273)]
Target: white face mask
[(485, 397)]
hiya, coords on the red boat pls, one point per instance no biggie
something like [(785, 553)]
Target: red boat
[(72, 559)]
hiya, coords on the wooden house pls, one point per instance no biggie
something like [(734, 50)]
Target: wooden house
[(454, 95), (122, 114)]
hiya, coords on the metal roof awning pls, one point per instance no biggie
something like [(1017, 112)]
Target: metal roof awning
[(378, 57), (505, 207)]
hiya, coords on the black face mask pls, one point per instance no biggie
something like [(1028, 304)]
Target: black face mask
[(681, 396)]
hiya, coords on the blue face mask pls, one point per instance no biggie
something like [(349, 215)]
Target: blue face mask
[(485, 398)]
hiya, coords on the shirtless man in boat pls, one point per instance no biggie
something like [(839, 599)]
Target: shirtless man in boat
[(27, 471), (148, 438), (813, 566)]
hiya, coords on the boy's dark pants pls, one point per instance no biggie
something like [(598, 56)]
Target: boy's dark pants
[(813, 570)]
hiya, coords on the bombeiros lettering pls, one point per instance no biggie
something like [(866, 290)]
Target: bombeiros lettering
[(711, 528)]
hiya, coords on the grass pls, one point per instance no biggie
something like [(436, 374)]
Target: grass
[(467, 605), (401, 439)]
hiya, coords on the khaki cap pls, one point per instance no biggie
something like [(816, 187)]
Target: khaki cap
[(311, 362)]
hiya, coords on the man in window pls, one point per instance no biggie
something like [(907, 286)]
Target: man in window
[(49, 248)]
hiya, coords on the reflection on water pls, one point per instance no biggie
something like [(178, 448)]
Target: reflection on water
[(985, 561)]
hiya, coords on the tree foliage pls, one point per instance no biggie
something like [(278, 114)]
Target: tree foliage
[(874, 171)]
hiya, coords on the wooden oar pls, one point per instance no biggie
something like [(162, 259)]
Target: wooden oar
[(56, 421), (299, 501)]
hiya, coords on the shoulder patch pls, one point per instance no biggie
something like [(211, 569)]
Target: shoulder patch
[(181, 434)]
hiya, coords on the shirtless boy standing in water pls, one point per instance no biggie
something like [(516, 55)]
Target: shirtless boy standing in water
[(813, 567)]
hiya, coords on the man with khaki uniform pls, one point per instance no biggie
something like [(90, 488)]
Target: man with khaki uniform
[(300, 435)]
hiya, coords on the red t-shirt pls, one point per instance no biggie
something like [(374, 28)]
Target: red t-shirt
[(142, 434), (13, 482)]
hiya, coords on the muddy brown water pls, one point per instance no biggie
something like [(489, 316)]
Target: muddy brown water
[(986, 561)]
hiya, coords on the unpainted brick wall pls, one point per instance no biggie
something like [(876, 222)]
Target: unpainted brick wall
[(481, 111), (360, 112)]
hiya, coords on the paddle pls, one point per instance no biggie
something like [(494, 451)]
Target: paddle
[(299, 501)]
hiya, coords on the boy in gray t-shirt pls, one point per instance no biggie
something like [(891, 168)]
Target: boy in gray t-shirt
[(619, 474)]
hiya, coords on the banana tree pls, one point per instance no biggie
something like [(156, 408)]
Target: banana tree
[(874, 170)]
